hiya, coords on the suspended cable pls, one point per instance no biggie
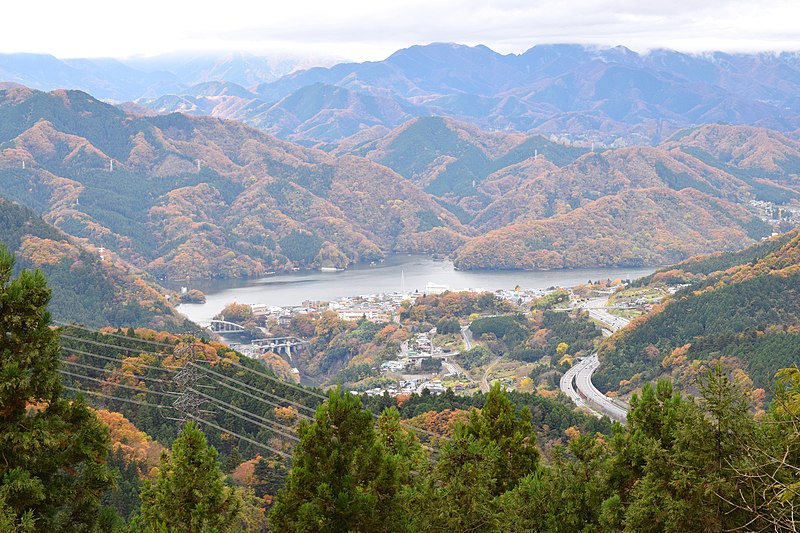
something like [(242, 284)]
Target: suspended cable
[(128, 400), (116, 346), (249, 416), (265, 446), (132, 339), (281, 381), (256, 389), (113, 370), (117, 360), (239, 391), (318, 395), (122, 385), (219, 428)]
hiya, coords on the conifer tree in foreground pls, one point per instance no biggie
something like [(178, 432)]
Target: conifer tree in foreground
[(343, 478), (189, 493), (52, 466), (486, 457)]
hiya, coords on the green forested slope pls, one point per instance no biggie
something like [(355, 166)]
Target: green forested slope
[(742, 308), (86, 289)]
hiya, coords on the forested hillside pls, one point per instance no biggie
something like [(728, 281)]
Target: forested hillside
[(181, 196), (86, 288), (740, 309), (300, 461), (199, 197)]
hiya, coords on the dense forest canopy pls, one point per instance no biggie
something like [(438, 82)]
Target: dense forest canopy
[(739, 309), (494, 462)]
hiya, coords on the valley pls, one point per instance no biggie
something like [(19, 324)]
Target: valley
[(555, 288), (184, 197)]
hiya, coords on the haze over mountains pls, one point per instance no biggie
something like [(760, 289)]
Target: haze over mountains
[(584, 91), (590, 93), (129, 79)]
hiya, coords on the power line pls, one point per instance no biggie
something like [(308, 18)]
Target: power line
[(116, 360), (279, 398), (265, 446), (281, 381), (318, 395), (80, 339), (266, 420), (239, 391), (133, 339), (285, 383), (117, 398), (122, 385), (219, 428), (112, 370), (247, 418)]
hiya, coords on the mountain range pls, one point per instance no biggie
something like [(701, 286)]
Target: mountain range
[(184, 196), (585, 93), (609, 96), (120, 80)]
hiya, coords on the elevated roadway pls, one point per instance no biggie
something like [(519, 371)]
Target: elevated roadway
[(577, 381)]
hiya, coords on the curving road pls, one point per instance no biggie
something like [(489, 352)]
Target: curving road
[(568, 387), (598, 402), (466, 334), (485, 385), (577, 381)]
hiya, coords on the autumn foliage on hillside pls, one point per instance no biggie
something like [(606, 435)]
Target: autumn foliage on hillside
[(199, 197), (740, 310), (632, 228), (87, 288)]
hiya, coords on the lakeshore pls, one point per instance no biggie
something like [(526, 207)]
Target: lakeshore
[(397, 274)]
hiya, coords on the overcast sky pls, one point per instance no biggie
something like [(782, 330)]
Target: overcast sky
[(373, 29)]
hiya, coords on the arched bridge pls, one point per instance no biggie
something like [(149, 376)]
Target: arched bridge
[(223, 326), (279, 344)]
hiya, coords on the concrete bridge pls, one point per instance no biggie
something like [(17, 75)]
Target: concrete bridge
[(279, 345)]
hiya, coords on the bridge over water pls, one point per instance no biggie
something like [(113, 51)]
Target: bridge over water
[(223, 326)]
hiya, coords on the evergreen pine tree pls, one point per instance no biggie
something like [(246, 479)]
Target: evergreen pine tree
[(342, 478), (485, 458), (53, 469), (189, 492)]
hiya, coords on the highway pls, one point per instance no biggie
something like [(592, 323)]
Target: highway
[(568, 387), (577, 381)]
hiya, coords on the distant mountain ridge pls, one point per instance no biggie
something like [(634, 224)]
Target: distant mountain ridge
[(586, 92), (130, 79)]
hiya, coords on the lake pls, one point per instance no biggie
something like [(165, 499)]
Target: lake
[(396, 273)]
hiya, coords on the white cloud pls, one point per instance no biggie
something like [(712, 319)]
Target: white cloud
[(363, 29)]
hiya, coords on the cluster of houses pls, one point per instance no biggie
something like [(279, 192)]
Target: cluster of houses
[(384, 307), (381, 307), (410, 386), (777, 214)]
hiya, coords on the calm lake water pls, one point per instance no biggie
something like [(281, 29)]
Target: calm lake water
[(396, 273)]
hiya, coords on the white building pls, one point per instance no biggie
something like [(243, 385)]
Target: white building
[(435, 288)]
